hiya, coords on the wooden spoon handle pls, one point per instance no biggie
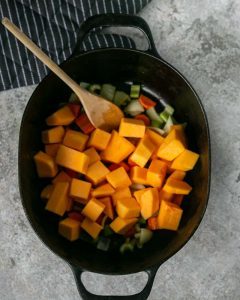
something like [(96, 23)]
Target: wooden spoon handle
[(40, 54)]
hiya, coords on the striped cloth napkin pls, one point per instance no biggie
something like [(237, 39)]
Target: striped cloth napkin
[(53, 25)]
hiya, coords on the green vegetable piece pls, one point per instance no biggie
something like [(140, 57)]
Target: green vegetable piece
[(169, 109), (103, 243), (142, 221), (153, 115), (107, 231), (121, 98), (108, 91), (164, 116), (134, 108), (126, 247), (168, 125), (95, 88), (135, 91), (84, 85), (156, 123)]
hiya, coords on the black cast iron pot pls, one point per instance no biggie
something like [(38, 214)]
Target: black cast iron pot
[(160, 80)]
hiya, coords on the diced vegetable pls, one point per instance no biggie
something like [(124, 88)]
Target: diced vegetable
[(153, 115), (132, 128), (121, 226), (108, 91), (108, 210), (47, 191), (92, 155), (75, 140), (145, 236), (84, 85), (107, 231), (103, 191), (52, 149), (53, 135), (92, 228), (177, 187), (137, 187), (152, 223), (119, 178), (185, 161), (93, 209), (168, 125), (95, 88), (80, 190), (138, 175), (45, 165), (70, 229), (75, 108), (156, 173), (146, 102), (97, 172), (127, 246), (169, 216), (135, 91), (84, 124), (149, 203), (63, 116), (121, 193), (103, 243), (144, 118), (62, 177), (128, 208), (171, 150), (121, 98), (158, 130), (134, 108), (99, 139)]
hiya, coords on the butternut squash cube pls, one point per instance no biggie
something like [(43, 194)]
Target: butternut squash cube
[(53, 135), (156, 173), (52, 149), (155, 137), (121, 193), (132, 128), (69, 204), (103, 190), (99, 139), (143, 151), (63, 116), (80, 190), (169, 216), (139, 175), (127, 208), (70, 229), (119, 178), (72, 159), (92, 228), (62, 177), (185, 161), (121, 226), (178, 199), (97, 172), (163, 195), (138, 194), (47, 191), (149, 203), (46, 166), (108, 210), (75, 140), (176, 133), (93, 209), (58, 200), (179, 175), (92, 154), (171, 150), (117, 149), (177, 187)]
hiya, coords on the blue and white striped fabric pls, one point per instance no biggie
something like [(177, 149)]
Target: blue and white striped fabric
[(53, 25)]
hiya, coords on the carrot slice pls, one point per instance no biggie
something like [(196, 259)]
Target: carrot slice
[(144, 118), (75, 108), (146, 102), (84, 124), (152, 223)]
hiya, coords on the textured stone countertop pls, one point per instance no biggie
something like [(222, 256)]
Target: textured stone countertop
[(202, 40)]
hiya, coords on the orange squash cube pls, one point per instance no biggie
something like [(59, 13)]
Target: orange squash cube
[(103, 190), (185, 161), (178, 199), (69, 204), (119, 178), (62, 177), (108, 210), (149, 203), (46, 166), (72, 159), (70, 229), (117, 149), (53, 135), (177, 187), (132, 128), (121, 193), (75, 140), (163, 195), (121, 226), (143, 152), (138, 194), (139, 175), (92, 228), (99, 139), (179, 175), (155, 137), (52, 149), (156, 173), (171, 150), (169, 216), (80, 190), (97, 172), (58, 200), (127, 208), (63, 116), (93, 209), (47, 191), (92, 154), (176, 133)]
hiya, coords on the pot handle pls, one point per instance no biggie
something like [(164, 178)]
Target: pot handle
[(86, 295), (115, 20)]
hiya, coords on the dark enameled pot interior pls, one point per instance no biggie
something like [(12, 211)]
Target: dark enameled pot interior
[(161, 81)]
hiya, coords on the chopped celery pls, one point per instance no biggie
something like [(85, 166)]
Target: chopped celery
[(95, 88), (103, 243), (73, 98), (169, 109), (108, 91), (168, 124), (121, 98), (137, 227), (145, 235), (134, 108), (126, 247), (164, 116), (107, 231), (156, 123), (135, 91), (84, 85), (158, 130), (153, 115)]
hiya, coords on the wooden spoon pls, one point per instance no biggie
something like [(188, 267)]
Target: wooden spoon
[(102, 113)]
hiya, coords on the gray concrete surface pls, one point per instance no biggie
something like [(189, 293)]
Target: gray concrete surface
[(202, 39)]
